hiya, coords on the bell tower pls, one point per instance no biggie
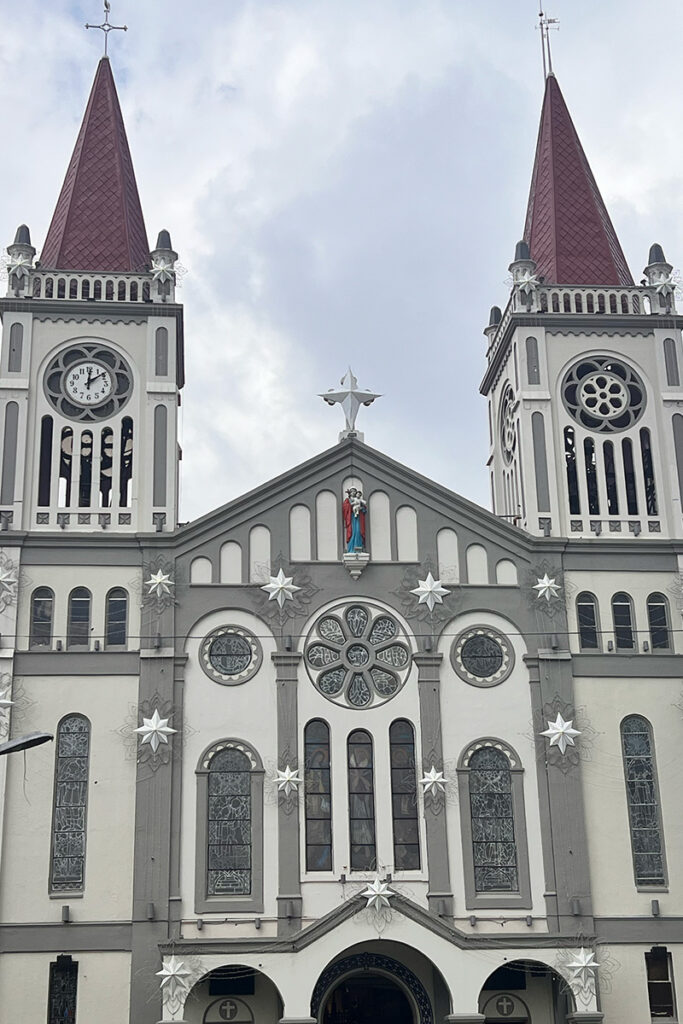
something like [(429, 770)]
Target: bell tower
[(91, 364)]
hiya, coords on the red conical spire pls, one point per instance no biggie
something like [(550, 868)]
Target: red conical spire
[(98, 223), (568, 229)]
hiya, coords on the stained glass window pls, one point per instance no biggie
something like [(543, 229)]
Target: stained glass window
[(116, 618), (229, 824), (404, 797), (658, 622), (61, 999), (361, 802), (587, 616), (643, 801), (78, 625), (42, 603), (622, 614), (493, 826), (318, 797), (71, 801)]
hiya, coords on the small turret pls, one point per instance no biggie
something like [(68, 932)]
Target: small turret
[(658, 276), (21, 255), (524, 280), (163, 265), (495, 316)]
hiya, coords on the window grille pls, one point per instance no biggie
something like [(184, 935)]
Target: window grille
[(70, 805), (658, 622), (318, 797), (493, 826), (587, 617), (116, 618), (229, 824), (78, 624), (42, 603), (622, 615), (61, 999), (361, 802), (643, 802), (404, 797)]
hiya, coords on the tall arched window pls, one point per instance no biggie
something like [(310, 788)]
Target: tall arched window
[(622, 616), (67, 861), (361, 802), (658, 622), (116, 618), (642, 797), (587, 618), (318, 797), (78, 623), (42, 604), (404, 796)]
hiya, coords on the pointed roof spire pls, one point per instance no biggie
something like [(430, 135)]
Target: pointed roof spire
[(568, 229), (98, 223)]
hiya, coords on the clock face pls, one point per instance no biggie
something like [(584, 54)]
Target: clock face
[(88, 381)]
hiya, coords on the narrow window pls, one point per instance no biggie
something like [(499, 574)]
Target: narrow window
[(591, 477), (65, 460), (16, 344), (622, 615), (61, 998), (658, 622), (109, 291), (493, 827), (643, 803), (133, 291), (97, 290), (73, 288), (660, 984), (116, 619), (71, 799), (572, 476), (361, 802), (106, 466), (648, 473), (45, 469), (671, 363), (160, 459), (126, 473), (121, 291), (42, 604), (161, 352), (9, 454), (318, 797), (78, 625), (85, 290), (587, 616), (404, 797), (610, 479), (85, 478), (229, 824), (630, 477)]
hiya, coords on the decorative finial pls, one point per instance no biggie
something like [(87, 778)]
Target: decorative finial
[(350, 397), (106, 28), (546, 24)]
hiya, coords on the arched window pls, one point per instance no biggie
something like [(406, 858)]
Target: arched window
[(622, 616), (404, 797), (67, 860), (658, 622), (116, 618), (42, 604), (161, 352), (642, 796), (361, 802), (671, 363), (318, 797), (78, 623), (588, 622), (229, 855)]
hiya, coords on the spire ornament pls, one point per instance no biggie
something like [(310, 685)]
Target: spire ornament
[(106, 28), (350, 397)]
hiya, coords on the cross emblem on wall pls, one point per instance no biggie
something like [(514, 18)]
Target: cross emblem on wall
[(505, 1006)]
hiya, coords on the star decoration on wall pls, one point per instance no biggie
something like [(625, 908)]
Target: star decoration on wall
[(378, 894), (665, 287), (433, 781), (159, 583), (280, 588), (8, 584), (173, 975), (527, 283), (583, 966), (155, 730), (430, 592), (561, 733), (288, 779), (162, 270), (547, 587), (5, 702), (19, 266)]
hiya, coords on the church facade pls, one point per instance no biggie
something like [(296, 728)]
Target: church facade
[(349, 748)]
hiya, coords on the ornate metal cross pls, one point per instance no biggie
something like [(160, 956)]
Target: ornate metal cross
[(350, 397), (106, 27)]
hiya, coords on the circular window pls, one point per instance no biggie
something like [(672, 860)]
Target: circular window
[(482, 656), (230, 655), (603, 394), (508, 433), (357, 656)]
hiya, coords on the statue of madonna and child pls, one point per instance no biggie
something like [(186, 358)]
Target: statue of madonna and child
[(353, 513)]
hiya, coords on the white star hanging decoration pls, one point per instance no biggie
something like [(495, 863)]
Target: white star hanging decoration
[(280, 588), (155, 730), (378, 894), (583, 967), (287, 780), (547, 587), (173, 975), (665, 287), (162, 270), (430, 592), (433, 781), (8, 583), (527, 283), (159, 583), (5, 702), (561, 733), (19, 266)]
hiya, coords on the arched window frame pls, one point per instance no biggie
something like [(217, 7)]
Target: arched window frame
[(658, 600), (61, 755), (41, 594), (586, 598), (623, 626), (116, 593), (649, 885), (78, 593), (404, 795), (504, 900), (320, 787), (355, 791), (242, 902)]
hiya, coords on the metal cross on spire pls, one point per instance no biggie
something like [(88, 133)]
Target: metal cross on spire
[(106, 28), (546, 24), (350, 397)]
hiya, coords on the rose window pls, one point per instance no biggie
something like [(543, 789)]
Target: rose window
[(482, 656), (230, 654), (508, 433), (603, 394), (357, 656)]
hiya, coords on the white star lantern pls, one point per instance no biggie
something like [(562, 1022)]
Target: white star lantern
[(159, 583), (378, 894), (430, 592), (433, 781), (280, 588), (547, 587), (350, 397), (155, 730), (665, 287), (5, 702), (287, 780), (527, 283), (162, 270), (173, 975), (8, 583), (583, 967), (19, 266), (561, 733)]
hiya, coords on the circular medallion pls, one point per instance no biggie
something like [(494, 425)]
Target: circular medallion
[(230, 655), (482, 656), (357, 656), (88, 382), (508, 432), (603, 394)]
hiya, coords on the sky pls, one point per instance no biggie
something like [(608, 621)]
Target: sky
[(344, 182)]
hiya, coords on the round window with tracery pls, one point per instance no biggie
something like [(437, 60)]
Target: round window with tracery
[(357, 656), (482, 656), (508, 432), (230, 655), (603, 394)]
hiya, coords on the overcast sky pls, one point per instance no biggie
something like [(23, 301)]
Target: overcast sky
[(345, 181)]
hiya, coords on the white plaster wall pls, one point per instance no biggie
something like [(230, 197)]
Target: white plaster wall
[(231, 562), (102, 994)]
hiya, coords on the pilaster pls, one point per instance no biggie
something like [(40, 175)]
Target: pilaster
[(289, 870)]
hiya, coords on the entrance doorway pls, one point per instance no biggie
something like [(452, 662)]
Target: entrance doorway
[(366, 999)]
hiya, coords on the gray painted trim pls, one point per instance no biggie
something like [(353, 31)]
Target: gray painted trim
[(645, 556), (76, 937), (619, 666), (550, 878), (677, 421), (585, 1017), (9, 453), (289, 867), (74, 663), (160, 471), (649, 930), (540, 462)]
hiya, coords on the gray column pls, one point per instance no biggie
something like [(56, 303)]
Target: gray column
[(289, 870), (439, 896)]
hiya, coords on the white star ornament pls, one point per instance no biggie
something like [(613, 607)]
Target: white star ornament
[(5, 702), (430, 592), (280, 588), (527, 283), (155, 730), (173, 973), (378, 894), (433, 781), (159, 583), (561, 733), (547, 587), (162, 270), (583, 966), (287, 780)]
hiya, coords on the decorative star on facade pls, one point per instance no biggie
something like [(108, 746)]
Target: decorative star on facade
[(162, 270), (561, 733), (159, 583), (350, 397), (665, 287), (527, 283), (280, 588), (547, 587), (583, 967), (173, 975), (155, 730), (430, 592), (5, 702), (378, 894), (433, 781), (287, 780), (19, 265)]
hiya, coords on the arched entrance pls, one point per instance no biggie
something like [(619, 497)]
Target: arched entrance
[(366, 999), (525, 992)]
